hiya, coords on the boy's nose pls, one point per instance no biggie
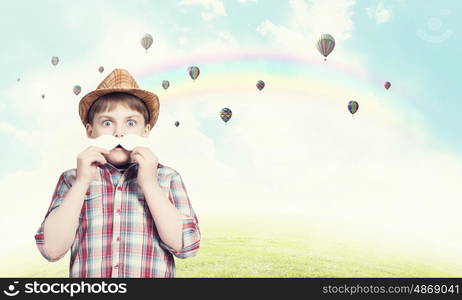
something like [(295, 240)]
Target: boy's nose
[(119, 132)]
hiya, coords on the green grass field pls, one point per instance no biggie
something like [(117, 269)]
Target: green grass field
[(246, 245)]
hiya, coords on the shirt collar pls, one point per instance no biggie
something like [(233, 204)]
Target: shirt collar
[(130, 170)]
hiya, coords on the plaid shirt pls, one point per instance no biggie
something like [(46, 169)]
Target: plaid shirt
[(117, 236)]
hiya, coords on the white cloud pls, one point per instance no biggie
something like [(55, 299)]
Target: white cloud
[(281, 33), (213, 8), (308, 20), (227, 38), (380, 14), (183, 41), (318, 17), (183, 29), (31, 137)]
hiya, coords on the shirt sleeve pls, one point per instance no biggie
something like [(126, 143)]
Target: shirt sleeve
[(191, 233), (60, 192)]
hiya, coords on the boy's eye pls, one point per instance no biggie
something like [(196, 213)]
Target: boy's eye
[(107, 123), (131, 123)]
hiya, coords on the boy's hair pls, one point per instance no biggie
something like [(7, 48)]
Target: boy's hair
[(109, 101)]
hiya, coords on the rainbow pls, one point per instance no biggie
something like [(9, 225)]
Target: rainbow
[(273, 57), (351, 82)]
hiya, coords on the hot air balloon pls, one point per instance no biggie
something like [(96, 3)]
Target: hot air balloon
[(387, 85), (260, 85), (177, 123), (43, 96), (146, 41), (325, 44), (353, 107), (55, 60), (77, 89), (19, 79), (193, 72), (165, 84), (101, 69), (225, 114)]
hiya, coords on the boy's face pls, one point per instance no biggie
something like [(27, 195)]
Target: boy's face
[(120, 121)]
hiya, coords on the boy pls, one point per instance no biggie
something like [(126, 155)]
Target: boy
[(122, 213)]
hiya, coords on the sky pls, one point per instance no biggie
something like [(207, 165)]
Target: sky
[(292, 147)]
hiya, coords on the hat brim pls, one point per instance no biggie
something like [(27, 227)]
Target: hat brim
[(150, 99)]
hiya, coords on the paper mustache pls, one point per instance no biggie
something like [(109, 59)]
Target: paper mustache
[(128, 142)]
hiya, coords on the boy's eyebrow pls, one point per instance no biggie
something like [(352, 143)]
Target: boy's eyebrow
[(110, 117)]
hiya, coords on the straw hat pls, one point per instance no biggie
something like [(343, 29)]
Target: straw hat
[(120, 81)]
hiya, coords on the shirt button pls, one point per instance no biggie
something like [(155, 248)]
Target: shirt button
[(118, 211), (116, 266), (118, 238), (119, 188)]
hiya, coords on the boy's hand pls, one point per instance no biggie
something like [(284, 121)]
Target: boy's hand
[(147, 165), (87, 162)]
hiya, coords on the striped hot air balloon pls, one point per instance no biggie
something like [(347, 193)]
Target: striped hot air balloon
[(193, 72), (101, 69), (226, 114), (165, 84), (387, 85), (77, 89), (353, 107), (260, 84), (146, 41), (54, 60), (177, 124), (325, 44)]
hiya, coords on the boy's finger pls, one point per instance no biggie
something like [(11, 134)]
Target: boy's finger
[(90, 155), (137, 149), (100, 161), (102, 158), (97, 157), (135, 157), (137, 152)]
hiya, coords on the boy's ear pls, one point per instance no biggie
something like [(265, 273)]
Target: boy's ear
[(147, 129), (89, 130)]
